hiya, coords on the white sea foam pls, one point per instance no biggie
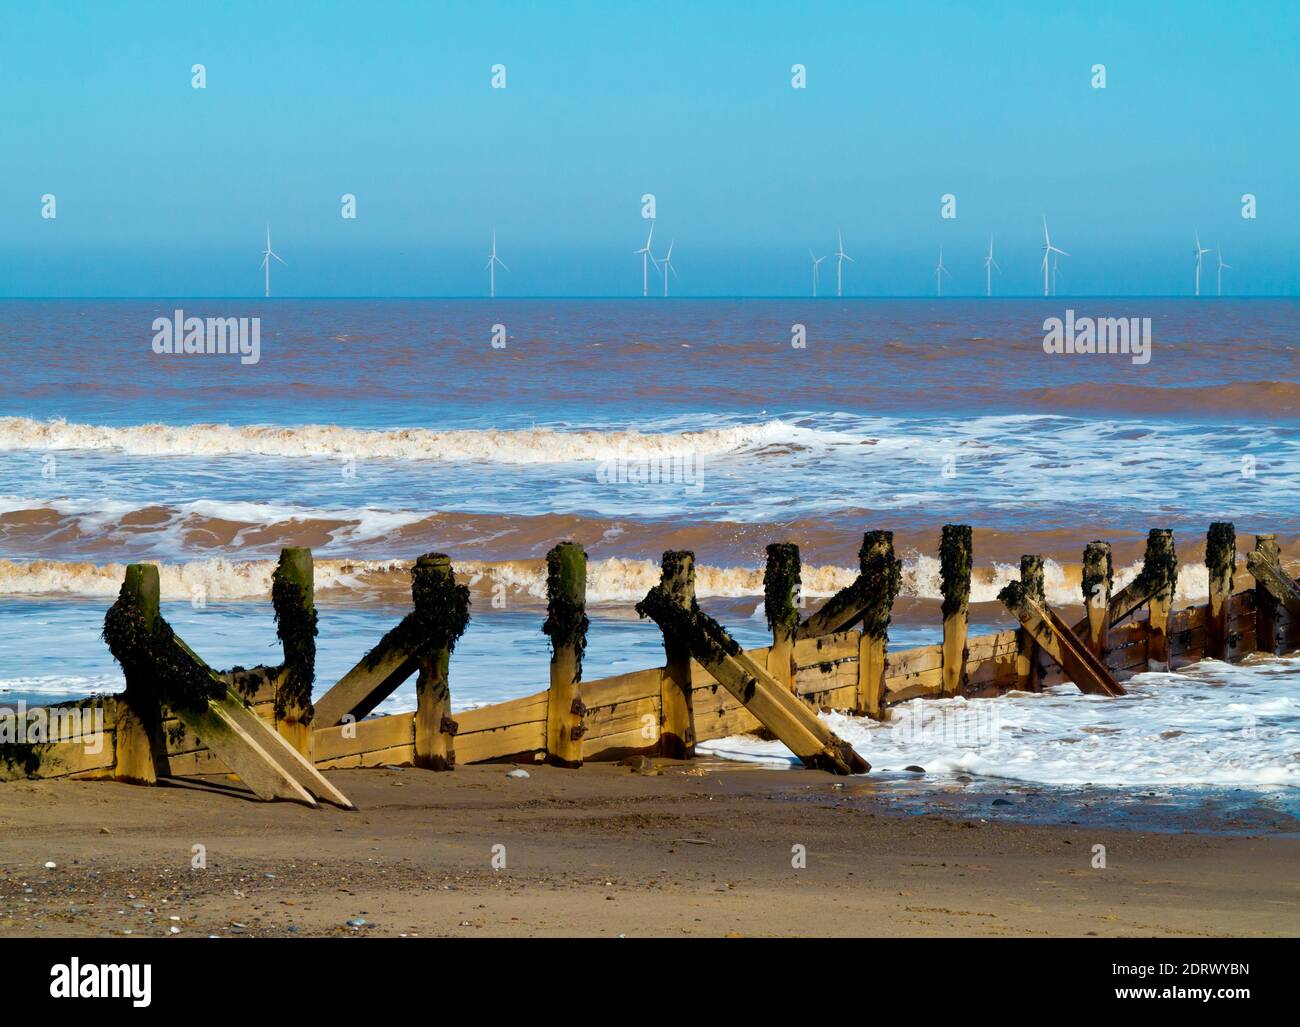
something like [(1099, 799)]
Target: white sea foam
[(1209, 725), (519, 446), (612, 580)]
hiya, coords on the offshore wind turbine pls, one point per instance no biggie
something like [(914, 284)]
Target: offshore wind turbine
[(816, 261), (1222, 265), (646, 258), (989, 264), (1200, 252), (840, 258), (493, 261), (939, 272), (666, 265), (266, 260), (1048, 250)]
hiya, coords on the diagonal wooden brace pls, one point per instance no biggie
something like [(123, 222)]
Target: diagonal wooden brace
[(776, 707), (1059, 642)]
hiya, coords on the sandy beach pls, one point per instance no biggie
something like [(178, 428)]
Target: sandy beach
[(675, 850)]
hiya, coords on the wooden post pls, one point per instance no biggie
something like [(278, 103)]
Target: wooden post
[(676, 712), (1220, 562), (292, 595), (442, 609), (1266, 604), (1161, 562), (1098, 580), (954, 581), (881, 575), (140, 745), (1028, 675), (780, 603), (566, 624)]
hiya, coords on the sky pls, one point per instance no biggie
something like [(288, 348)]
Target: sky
[(162, 189)]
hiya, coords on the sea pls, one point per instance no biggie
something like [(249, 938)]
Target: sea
[(377, 430)]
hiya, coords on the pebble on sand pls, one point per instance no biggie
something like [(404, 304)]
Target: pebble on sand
[(517, 772)]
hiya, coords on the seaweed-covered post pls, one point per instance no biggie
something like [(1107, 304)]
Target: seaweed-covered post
[(676, 712), (954, 580), (1161, 563), (566, 624), (1220, 562), (1098, 580), (140, 745), (881, 575), (1266, 549), (293, 597), (442, 613), (1028, 675), (780, 604)]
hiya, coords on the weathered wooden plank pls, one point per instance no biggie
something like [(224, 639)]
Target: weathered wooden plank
[(634, 685), (524, 710), (813, 652), (501, 743), (332, 743), (1058, 641)]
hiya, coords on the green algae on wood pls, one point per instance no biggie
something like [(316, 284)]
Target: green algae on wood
[(954, 580), (1098, 572), (676, 706), (566, 586), (296, 627), (781, 583), (954, 568), (439, 618), (881, 577), (1220, 565), (435, 588), (157, 667)]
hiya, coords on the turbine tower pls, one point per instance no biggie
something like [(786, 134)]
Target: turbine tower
[(493, 261), (989, 264), (1222, 265), (266, 260), (840, 258), (646, 259), (1048, 250), (816, 261), (1200, 252), (666, 265), (939, 272)]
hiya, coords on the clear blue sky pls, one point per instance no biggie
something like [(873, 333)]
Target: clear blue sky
[(164, 190)]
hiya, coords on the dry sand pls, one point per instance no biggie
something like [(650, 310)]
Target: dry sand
[(695, 849)]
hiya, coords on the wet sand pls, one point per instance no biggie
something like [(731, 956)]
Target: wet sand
[(701, 849)]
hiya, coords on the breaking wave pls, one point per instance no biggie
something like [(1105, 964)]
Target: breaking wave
[(613, 580), (521, 446)]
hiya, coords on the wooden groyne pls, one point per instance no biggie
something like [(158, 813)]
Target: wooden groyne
[(178, 717)]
